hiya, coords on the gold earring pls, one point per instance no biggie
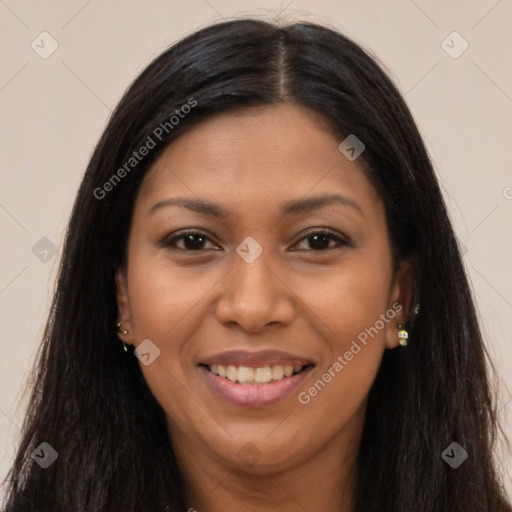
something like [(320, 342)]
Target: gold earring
[(402, 335), (124, 332)]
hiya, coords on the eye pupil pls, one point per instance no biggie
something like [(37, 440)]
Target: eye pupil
[(324, 241), (189, 241)]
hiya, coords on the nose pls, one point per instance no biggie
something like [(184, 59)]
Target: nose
[(255, 295)]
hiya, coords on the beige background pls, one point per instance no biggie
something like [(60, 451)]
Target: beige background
[(53, 111)]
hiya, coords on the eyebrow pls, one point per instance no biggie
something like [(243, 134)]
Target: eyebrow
[(293, 207)]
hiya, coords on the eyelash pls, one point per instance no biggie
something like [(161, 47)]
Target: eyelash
[(169, 242)]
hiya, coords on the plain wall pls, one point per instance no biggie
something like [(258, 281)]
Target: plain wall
[(54, 109)]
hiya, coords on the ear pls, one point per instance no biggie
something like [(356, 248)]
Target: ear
[(401, 300), (123, 307)]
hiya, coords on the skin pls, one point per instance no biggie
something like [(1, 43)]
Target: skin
[(295, 297)]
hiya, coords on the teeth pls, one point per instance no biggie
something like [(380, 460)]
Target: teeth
[(288, 371), (232, 373), (277, 372), (245, 374), (263, 375), (260, 375)]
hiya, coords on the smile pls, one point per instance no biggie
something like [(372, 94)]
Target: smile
[(254, 387), (255, 376)]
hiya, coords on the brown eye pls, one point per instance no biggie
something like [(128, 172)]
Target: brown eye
[(320, 240), (192, 241)]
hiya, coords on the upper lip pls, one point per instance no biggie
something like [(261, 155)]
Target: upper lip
[(256, 359)]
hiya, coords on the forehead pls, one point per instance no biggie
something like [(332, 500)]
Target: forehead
[(257, 157)]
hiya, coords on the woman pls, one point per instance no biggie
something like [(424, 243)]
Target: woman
[(261, 303)]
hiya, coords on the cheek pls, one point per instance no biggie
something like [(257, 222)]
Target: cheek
[(352, 303), (337, 393), (162, 295), (349, 298), (166, 303)]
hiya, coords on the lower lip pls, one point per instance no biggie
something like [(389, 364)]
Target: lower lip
[(255, 395)]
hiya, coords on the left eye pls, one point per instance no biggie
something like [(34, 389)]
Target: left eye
[(318, 241)]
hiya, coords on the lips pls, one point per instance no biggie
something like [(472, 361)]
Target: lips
[(254, 379)]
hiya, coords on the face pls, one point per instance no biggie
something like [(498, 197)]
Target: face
[(259, 266)]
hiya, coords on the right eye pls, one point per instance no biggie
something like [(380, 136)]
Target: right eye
[(192, 241)]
